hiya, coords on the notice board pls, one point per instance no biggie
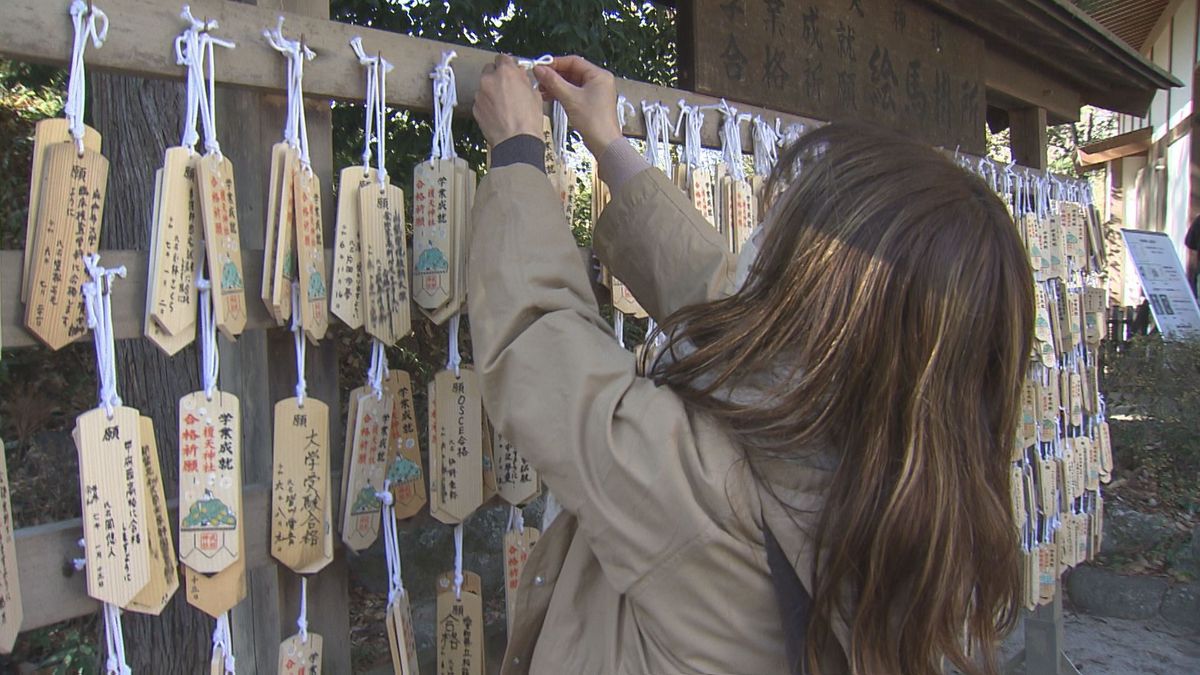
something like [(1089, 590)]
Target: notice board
[(1164, 284), (892, 62)]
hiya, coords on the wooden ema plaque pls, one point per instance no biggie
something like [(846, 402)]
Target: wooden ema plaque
[(624, 302), (46, 134), (279, 163), (218, 212), (66, 230), (367, 464), (216, 594), (517, 481), (112, 482), (310, 255), (899, 64), (433, 204), (456, 457), (402, 642), (487, 461), (300, 510), (517, 545), (700, 184), (11, 611), (164, 573), (384, 263), (405, 471), (460, 642), (169, 344), (301, 657), (171, 292), (210, 481), (283, 268), (346, 291)]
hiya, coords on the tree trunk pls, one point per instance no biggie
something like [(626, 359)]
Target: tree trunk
[(138, 119)]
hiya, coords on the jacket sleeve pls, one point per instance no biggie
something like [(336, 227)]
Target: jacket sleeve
[(617, 451), (655, 241)]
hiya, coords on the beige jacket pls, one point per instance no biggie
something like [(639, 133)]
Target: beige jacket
[(657, 566)]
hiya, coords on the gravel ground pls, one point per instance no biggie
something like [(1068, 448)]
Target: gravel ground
[(1104, 646)]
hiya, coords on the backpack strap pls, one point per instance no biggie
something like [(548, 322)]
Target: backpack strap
[(793, 600)]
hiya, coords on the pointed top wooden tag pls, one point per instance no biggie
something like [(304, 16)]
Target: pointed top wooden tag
[(459, 446), (346, 291), (216, 594), (310, 255), (433, 195), (11, 611), (517, 481), (488, 461), (222, 241), (405, 471), (386, 312), (371, 434), (284, 268), (210, 481), (300, 510), (112, 486), (66, 230), (517, 546), (279, 164), (169, 344), (460, 641), (171, 292), (164, 573), (300, 657), (701, 183)]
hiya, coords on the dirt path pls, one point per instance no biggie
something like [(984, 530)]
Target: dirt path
[(1103, 646)]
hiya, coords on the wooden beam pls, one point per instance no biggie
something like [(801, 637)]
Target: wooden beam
[(1126, 144), (141, 41), (1017, 82), (1027, 137)]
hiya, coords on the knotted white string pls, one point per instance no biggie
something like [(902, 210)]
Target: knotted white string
[(222, 639), (792, 133), (731, 139), (210, 357), (84, 18), (378, 368), (453, 358), (295, 131), (766, 145), (624, 110), (375, 108), (445, 97), (528, 64), (391, 543), (558, 131), (458, 561), (97, 297), (301, 348), (658, 135), (302, 620), (187, 53), (114, 636), (693, 115)]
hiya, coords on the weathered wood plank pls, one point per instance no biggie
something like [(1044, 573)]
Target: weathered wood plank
[(1027, 137), (140, 41)]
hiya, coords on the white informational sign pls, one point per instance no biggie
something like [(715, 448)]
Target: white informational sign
[(1171, 301)]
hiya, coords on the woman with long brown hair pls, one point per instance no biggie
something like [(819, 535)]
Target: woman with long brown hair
[(812, 475)]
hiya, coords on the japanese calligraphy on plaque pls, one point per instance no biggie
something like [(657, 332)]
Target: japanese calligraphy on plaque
[(456, 450), (459, 626), (222, 239), (301, 533), (517, 546), (516, 479), (300, 656), (310, 255), (10, 587), (164, 574), (405, 472), (366, 462), (894, 62), (210, 481)]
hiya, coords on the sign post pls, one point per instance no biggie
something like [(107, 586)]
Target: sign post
[(1164, 283)]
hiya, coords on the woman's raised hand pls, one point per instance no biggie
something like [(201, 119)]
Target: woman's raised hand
[(589, 95), (506, 104)]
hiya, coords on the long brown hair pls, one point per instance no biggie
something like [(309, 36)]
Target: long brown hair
[(892, 304)]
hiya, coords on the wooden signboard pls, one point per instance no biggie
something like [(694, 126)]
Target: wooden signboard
[(895, 63)]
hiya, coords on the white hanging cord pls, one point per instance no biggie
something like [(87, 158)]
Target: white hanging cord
[(453, 357), (84, 16), (391, 543), (97, 297), (222, 639), (116, 663), (694, 117), (619, 326), (295, 131), (528, 64), (208, 103), (766, 145), (731, 139), (189, 54), (458, 561), (378, 368), (302, 620), (375, 108), (445, 97), (558, 131), (210, 357), (301, 348), (658, 135), (516, 519), (792, 133), (624, 110), (381, 113)]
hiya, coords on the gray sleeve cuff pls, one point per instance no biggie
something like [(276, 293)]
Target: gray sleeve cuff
[(619, 162), (523, 149)]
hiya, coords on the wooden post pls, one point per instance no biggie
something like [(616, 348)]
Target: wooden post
[(1043, 654), (1027, 137)]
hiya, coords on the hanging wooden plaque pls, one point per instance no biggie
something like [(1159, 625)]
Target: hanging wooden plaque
[(169, 344), (743, 212), (517, 481), (11, 611), (112, 482), (460, 643), (433, 195), (402, 642), (300, 488), (405, 472), (66, 230), (346, 291), (171, 290), (435, 443), (517, 545), (46, 134), (300, 657), (310, 255), (371, 435), (222, 242), (460, 445), (701, 182), (279, 164), (386, 312), (216, 594), (348, 446), (488, 461), (210, 481), (284, 268), (164, 573)]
